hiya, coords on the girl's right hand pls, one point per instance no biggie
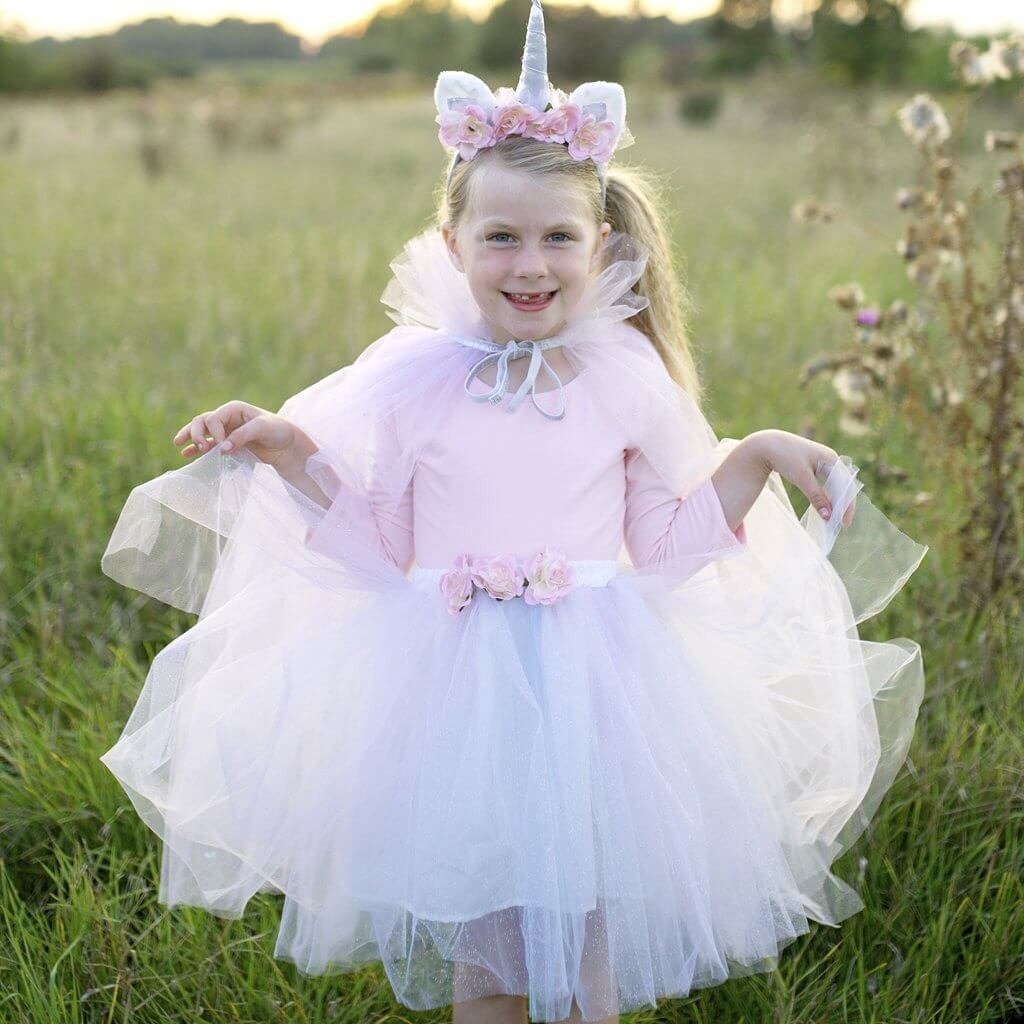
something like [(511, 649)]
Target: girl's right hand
[(272, 439)]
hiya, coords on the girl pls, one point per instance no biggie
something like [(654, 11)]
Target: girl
[(507, 674)]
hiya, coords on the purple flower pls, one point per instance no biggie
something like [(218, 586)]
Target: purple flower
[(870, 316)]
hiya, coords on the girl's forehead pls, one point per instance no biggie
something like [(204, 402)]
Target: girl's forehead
[(515, 201)]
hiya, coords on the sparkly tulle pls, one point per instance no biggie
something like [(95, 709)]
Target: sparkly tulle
[(633, 792)]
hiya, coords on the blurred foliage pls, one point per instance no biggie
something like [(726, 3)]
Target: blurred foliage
[(860, 41), (847, 42), (700, 106)]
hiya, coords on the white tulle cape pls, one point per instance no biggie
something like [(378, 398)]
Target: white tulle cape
[(636, 791)]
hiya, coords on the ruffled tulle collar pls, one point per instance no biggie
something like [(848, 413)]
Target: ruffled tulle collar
[(428, 290)]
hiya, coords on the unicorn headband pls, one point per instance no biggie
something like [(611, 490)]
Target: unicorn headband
[(591, 119)]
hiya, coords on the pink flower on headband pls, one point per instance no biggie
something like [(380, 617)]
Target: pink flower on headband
[(466, 130), (559, 124), (501, 576), (513, 119), (593, 139)]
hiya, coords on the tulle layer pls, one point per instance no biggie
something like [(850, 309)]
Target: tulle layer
[(630, 793)]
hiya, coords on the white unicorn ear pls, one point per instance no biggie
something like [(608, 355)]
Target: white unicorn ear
[(456, 89), (607, 102)]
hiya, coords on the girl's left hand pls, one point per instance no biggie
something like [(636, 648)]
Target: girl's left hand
[(798, 459)]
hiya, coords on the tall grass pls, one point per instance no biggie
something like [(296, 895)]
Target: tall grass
[(128, 302)]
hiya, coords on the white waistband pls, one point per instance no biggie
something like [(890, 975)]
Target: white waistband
[(590, 572)]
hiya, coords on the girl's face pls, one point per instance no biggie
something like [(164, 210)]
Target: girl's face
[(525, 238)]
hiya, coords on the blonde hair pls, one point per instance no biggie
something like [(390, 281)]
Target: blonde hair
[(632, 205)]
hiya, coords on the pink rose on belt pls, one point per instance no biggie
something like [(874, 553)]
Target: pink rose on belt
[(501, 576), (457, 585), (550, 577)]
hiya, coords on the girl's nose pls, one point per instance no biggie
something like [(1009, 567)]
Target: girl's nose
[(530, 263)]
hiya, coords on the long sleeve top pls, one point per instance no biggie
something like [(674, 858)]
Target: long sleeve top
[(500, 482)]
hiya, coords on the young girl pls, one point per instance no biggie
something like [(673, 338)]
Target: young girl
[(507, 674)]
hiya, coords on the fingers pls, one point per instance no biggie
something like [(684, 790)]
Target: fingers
[(823, 467), (817, 496), (824, 462), (216, 424), (242, 436)]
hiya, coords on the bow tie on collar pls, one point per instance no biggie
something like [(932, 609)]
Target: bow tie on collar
[(502, 355)]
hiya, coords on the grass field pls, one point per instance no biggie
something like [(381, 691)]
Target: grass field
[(130, 302)]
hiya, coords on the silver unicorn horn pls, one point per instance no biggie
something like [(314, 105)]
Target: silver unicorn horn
[(533, 85)]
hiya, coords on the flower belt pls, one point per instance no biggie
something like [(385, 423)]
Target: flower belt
[(544, 579)]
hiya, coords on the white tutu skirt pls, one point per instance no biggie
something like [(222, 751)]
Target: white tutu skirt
[(630, 793)]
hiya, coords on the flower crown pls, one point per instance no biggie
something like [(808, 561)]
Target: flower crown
[(469, 126), (591, 119)]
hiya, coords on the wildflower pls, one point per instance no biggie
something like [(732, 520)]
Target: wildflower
[(1010, 180), (907, 248), (869, 317), (897, 312), (810, 211), (908, 197), (853, 423), (969, 65), (1001, 140), (924, 121), (924, 270), (1007, 57), (852, 385), (847, 296)]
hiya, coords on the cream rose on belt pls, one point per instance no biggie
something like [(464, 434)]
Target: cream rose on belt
[(546, 578)]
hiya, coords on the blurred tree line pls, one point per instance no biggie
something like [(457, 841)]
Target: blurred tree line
[(848, 41)]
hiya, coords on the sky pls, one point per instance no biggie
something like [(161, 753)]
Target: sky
[(315, 20)]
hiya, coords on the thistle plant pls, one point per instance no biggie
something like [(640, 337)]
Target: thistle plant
[(949, 358)]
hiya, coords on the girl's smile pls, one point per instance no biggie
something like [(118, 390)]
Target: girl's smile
[(530, 302)]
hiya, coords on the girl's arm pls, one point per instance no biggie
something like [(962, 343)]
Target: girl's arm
[(708, 522), (381, 523), (282, 445), (292, 468), (744, 471), (660, 526)]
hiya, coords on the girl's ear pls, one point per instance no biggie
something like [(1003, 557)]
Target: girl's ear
[(452, 246), (603, 232)]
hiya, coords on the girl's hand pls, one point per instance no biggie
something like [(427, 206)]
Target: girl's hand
[(272, 439), (797, 459)]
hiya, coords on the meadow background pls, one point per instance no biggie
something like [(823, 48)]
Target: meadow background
[(149, 270)]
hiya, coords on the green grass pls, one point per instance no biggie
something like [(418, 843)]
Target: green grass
[(128, 304)]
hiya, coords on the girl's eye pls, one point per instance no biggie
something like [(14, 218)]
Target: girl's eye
[(505, 234)]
